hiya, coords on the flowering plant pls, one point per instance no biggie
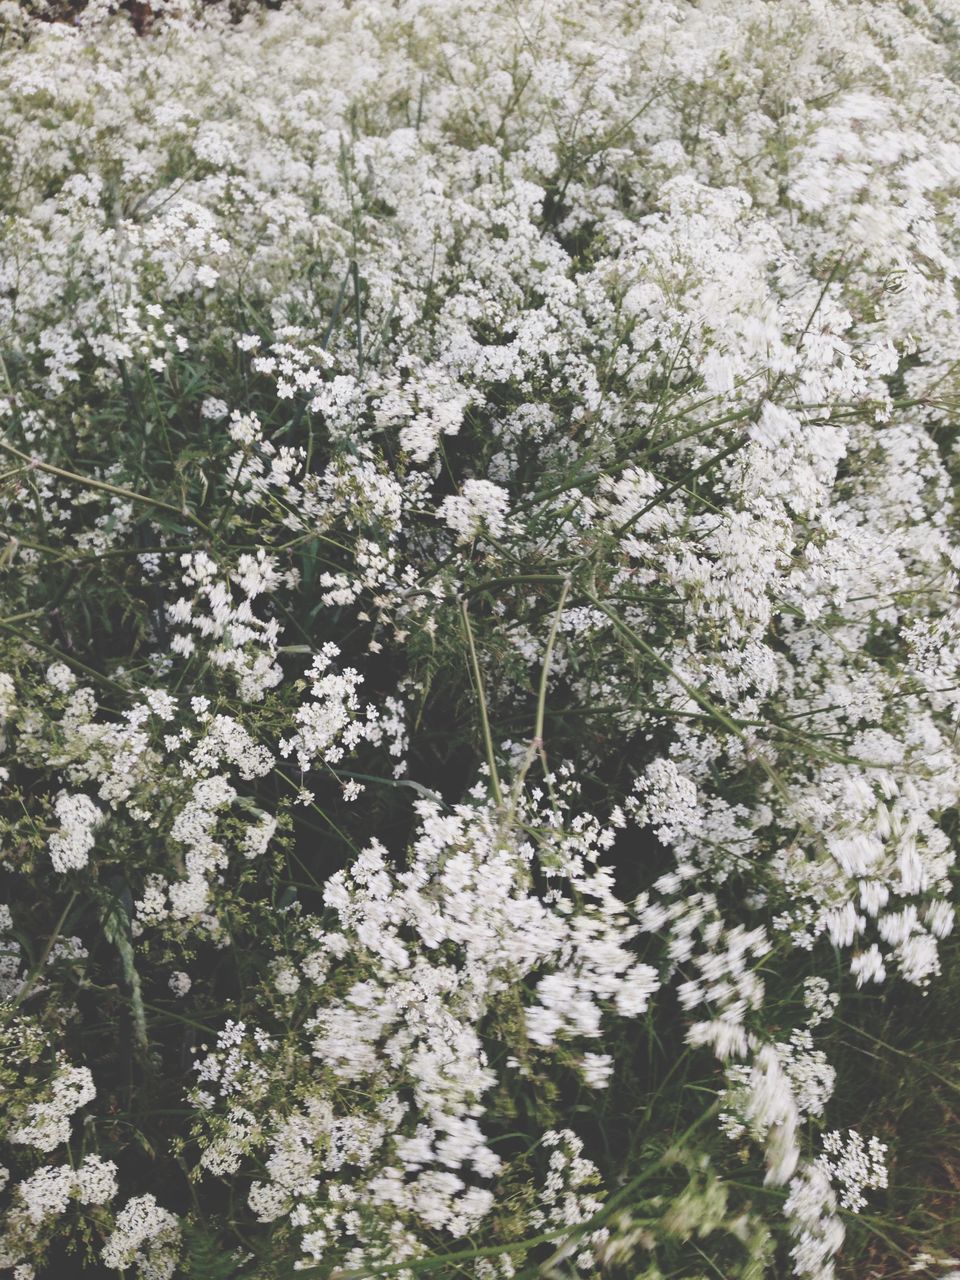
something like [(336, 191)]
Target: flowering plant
[(479, 674)]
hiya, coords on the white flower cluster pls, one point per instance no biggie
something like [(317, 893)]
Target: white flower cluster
[(565, 1200), (811, 1210), (45, 1196), (856, 1165), (146, 1236), (70, 846), (479, 506), (243, 643), (10, 957), (48, 1191), (441, 945), (334, 721), (47, 1123)]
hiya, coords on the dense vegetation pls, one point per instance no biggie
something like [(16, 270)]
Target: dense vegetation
[(479, 639)]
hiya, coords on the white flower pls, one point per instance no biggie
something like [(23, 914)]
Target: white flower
[(95, 1181), (857, 1166), (597, 1069), (70, 846), (214, 408), (207, 276), (60, 677), (480, 506), (868, 966), (146, 1235), (285, 978), (179, 983), (48, 1122)]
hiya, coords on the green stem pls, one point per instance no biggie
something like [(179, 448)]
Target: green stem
[(484, 718), (117, 490), (38, 967)]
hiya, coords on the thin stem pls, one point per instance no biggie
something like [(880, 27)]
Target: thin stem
[(117, 490), (484, 718), (547, 660), (37, 969)]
